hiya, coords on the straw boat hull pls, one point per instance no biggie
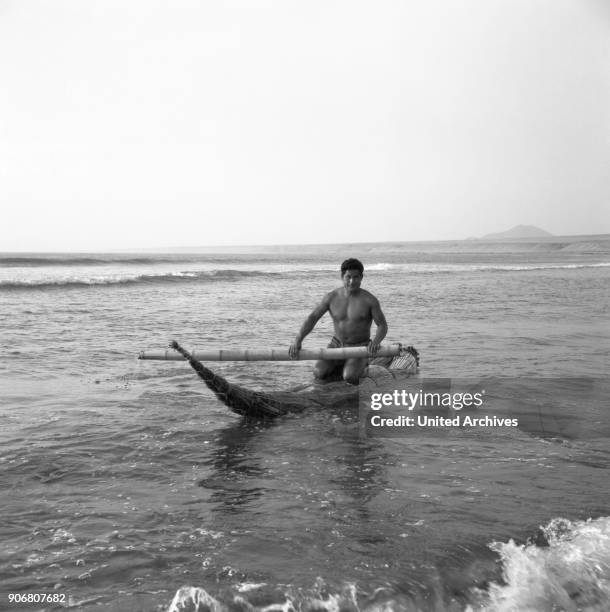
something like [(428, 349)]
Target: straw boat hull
[(260, 405)]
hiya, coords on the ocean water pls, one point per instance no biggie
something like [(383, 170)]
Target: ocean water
[(126, 485)]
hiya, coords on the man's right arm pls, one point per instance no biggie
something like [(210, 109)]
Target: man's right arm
[(309, 323)]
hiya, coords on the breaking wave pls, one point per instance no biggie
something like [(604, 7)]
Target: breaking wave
[(567, 568), (122, 278), (423, 268), (86, 274), (72, 260)]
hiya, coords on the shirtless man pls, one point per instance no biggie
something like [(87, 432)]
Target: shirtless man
[(353, 310)]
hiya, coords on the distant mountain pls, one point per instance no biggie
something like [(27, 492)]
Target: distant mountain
[(519, 231)]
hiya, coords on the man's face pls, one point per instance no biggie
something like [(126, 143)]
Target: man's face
[(352, 279)]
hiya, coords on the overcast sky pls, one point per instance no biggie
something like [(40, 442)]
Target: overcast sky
[(142, 123)]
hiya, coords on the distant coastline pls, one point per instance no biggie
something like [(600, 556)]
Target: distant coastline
[(595, 242), (518, 231)]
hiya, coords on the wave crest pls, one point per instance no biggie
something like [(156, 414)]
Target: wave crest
[(570, 571), (132, 279), (566, 568)]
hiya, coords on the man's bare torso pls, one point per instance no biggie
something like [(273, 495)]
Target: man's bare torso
[(352, 315)]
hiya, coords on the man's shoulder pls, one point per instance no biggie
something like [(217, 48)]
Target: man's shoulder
[(331, 295), (369, 296)]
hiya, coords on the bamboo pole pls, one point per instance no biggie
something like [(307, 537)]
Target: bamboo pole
[(350, 352)]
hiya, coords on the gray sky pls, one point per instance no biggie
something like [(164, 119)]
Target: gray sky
[(141, 123)]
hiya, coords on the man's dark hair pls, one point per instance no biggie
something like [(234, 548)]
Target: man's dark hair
[(351, 264)]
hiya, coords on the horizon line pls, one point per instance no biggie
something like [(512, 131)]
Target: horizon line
[(165, 249)]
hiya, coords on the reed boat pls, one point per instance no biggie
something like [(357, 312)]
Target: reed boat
[(391, 361)]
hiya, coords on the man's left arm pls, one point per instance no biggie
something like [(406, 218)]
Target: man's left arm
[(382, 326)]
